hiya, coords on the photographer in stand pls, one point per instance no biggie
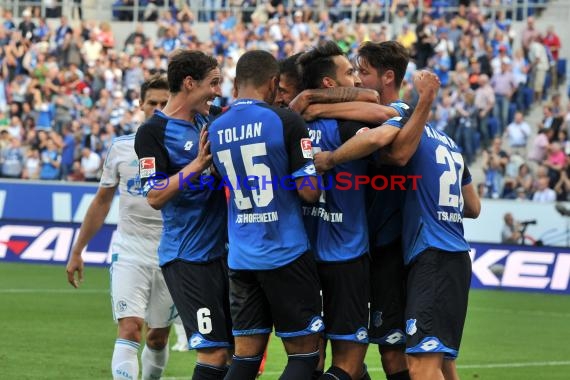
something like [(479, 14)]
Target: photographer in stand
[(513, 231)]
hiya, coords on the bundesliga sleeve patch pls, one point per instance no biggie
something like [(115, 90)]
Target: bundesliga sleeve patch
[(147, 167), (306, 148)]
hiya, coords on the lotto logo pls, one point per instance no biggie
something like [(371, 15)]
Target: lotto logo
[(316, 325), (362, 334), (195, 341), (430, 345), (394, 338)]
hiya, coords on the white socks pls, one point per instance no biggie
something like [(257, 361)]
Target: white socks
[(125, 363), (153, 362)]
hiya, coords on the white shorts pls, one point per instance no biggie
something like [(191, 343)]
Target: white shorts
[(140, 291)]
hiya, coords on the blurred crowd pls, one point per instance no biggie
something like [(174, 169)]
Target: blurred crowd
[(66, 91)]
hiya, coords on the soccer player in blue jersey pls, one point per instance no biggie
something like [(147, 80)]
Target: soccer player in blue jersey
[(326, 66), (172, 150), (264, 155), (364, 144), (382, 67)]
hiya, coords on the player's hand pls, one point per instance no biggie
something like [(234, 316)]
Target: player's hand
[(323, 162), (427, 83), (300, 103), (75, 264), (311, 112), (204, 157)]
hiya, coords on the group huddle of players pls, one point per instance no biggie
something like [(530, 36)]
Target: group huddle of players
[(347, 266), (392, 250)]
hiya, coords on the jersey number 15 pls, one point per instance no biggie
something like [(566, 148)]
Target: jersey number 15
[(262, 192)]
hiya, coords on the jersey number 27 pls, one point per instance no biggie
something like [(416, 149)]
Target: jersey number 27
[(450, 180)]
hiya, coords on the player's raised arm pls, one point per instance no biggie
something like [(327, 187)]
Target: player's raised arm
[(406, 142)]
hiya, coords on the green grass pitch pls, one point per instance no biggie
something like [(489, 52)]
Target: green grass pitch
[(50, 331)]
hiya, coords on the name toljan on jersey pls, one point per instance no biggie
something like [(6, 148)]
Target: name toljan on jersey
[(243, 132)]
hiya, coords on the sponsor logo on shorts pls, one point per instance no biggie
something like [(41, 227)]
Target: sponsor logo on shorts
[(411, 328), (306, 148), (362, 334), (430, 345), (121, 306), (316, 324), (196, 341), (394, 338), (377, 319)]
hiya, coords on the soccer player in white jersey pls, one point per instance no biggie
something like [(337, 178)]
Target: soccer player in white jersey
[(138, 290)]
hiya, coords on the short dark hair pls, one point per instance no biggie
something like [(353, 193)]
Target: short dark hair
[(318, 63), (155, 82), (288, 66), (383, 56), (184, 63), (256, 67)]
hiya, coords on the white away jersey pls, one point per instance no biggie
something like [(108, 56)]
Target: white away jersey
[(140, 226)]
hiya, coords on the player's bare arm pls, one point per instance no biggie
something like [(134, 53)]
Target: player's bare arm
[(472, 203), (94, 219), (308, 193), (406, 142), (157, 198), (366, 112), (369, 141), (333, 95)]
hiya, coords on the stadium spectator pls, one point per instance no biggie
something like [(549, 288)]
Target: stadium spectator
[(51, 161), (540, 64), (543, 192), (12, 159), (552, 42), (495, 161), (504, 86), (562, 187), (484, 102), (529, 33), (540, 144), (32, 164), (90, 165), (517, 134)]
